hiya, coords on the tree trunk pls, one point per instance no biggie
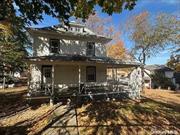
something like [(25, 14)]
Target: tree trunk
[(142, 69)]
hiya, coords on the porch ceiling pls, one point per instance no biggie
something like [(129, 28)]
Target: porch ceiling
[(79, 59)]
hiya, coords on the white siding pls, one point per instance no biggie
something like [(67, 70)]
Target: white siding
[(69, 74), (147, 74), (41, 46), (72, 47), (101, 73), (35, 73), (64, 74)]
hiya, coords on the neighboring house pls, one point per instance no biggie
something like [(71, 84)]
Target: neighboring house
[(65, 57), (177, 80), (152, 69)]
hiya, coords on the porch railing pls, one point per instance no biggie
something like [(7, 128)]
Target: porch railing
[(36, 88)]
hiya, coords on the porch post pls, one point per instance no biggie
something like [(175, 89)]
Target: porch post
[(116, 73), (113, 73), (29, 72), (150, 83), (52, 96), (79, 79)]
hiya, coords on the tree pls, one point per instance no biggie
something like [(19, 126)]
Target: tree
[(150, 37), (33, 10), (98, 24), (117, 50), (105, 27), (174, 63), (13, 45), (12, 49)]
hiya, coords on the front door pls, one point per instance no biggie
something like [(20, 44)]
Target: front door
[(47, 74)]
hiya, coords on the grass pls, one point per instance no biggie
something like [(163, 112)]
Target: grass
[(167, 96), (127, 117), (13, 100), (157, 111), (13, 90), (130, 117)]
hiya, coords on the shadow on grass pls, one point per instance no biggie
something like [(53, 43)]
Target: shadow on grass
[(19, 129), (112, 117), (115, 117), (119, 117)]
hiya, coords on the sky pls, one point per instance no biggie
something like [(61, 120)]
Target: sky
[(152, 6)]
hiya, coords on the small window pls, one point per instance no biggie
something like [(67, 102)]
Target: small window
[(91, 74), (54, 46), (78, 29), (90, 49)]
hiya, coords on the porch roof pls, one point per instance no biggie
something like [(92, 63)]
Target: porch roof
[(84, 59)]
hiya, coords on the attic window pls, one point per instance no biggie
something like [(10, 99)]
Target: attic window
[(54, 45), (77, 29)]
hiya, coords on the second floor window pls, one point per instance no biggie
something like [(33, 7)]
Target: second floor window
[(54, 45), (90, 49)]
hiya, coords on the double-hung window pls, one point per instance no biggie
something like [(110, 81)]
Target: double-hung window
[(91, 74), (54, 46), (90, 49)]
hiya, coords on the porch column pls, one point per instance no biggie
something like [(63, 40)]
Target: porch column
[(52, 79), (79, 79), (113, 73), (150, 83), (52, 96), (116, 73), (29, 72)]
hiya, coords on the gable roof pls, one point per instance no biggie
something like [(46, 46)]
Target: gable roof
[(157, 68)]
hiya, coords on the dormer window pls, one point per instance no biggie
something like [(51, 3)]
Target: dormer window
[(75, 29), (90, 49), (54, 45)]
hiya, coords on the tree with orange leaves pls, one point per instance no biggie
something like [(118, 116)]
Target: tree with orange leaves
[(117, 50)]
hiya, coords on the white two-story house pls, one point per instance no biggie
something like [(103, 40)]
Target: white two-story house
[(68, 56)]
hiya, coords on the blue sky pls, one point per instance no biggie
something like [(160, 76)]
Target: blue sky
[(152, 6)]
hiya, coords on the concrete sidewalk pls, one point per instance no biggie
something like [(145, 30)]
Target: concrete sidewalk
[(64, 122)]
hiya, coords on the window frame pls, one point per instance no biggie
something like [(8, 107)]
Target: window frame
[(50, 46), (48, 67), (87, 80), (87, 49)]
